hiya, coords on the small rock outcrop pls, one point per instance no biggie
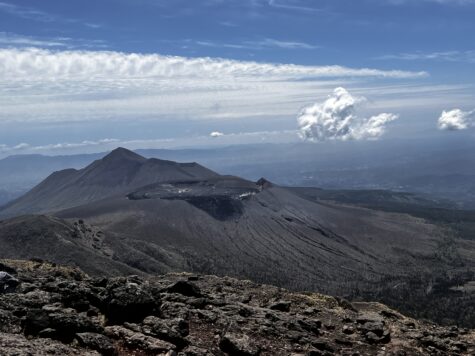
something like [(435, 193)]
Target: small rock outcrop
[(58, 310), (264, 183), (8, 283)]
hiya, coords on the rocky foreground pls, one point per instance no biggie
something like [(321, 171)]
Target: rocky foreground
[(61, 311)]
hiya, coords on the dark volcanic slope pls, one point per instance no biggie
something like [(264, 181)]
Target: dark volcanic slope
[(59, 241), (120, 172), (271, 235)]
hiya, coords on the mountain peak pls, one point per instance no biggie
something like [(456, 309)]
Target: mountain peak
[(119, 172), (264, 183), (121, 153)]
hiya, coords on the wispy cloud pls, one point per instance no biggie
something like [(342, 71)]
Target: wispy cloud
[(443, 2), (38, 85), (45, 64), (93, 25), (26, 147), (295, 5), (111, 143), (34, 14), (8, 39), (460, 2), (14, 40), (292, 5), (285, 44), (446, 56), (228, 24), (27, 12), (266, 43)]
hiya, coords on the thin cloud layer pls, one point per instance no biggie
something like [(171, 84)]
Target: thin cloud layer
[(447, 56), (456, 119), (39, 85), (444, 2), (216, 134), (26, 147), (266, 43), (171, 143), (12, 40), (336, 119), (34, 14), (53, 65)]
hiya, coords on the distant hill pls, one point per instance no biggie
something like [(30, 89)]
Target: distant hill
[(20, 173)]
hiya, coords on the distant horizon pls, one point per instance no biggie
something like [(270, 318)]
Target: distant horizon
[(81, 149)]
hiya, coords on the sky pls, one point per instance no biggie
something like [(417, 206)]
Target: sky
[(83, 75)]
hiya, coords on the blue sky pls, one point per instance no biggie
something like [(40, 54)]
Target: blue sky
[(87, 75)]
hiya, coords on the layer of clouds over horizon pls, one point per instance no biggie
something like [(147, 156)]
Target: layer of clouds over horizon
[(168, 73)]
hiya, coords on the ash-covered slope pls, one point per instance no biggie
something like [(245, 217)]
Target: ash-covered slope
[(229, 226), (53, 239), (118, 173), (60, 311)]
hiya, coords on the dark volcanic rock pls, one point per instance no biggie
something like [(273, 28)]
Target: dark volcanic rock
[(8, 321), (8, 283), (35, 321), (97, 342), (128, 299), (138, 341), (169, 315), (184, 287), (61, 325), (172, 330), (282, 306), (239, 345)]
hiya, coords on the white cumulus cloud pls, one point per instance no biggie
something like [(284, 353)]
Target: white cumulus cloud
[(456, 119), (336, 119), (216, 134)]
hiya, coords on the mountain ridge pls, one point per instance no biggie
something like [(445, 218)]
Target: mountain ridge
[(118, 172)]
